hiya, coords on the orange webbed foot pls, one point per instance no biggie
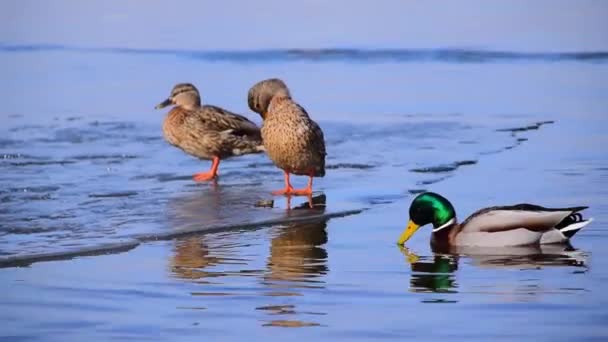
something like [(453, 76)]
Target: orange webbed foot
[(286, 191), (209, 175), (302, 192), (289, 191), (204, 176), (307, 191)]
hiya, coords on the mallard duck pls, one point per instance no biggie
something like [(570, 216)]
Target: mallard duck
[(293, 141), (515, 225), (207, 132)]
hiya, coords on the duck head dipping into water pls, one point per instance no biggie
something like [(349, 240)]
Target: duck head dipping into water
[(504, 226), (293, 141), (207, 132)]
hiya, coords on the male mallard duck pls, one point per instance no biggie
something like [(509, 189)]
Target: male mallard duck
[(292, 140), (516, 225), (207, 132)]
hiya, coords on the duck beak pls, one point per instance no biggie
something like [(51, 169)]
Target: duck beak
[(408, 232), (164, 104)]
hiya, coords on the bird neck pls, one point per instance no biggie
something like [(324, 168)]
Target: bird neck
[(446, 226), (191, 106), (444, 234), (275, 102), (278, 98)]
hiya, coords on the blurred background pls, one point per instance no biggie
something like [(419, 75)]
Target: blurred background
[(163, 30), (543, 25)]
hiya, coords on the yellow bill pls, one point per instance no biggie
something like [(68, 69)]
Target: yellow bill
[(408, 232)]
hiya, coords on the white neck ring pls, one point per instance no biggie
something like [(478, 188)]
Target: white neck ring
[(447, 224)]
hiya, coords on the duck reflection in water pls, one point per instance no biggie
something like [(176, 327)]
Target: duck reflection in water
[(432, 274), (436, 273), (297, 256), (191, 257), (297, 261), (194, 255)]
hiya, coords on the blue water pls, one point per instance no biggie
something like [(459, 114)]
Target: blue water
[(103, 234), (82, 179)]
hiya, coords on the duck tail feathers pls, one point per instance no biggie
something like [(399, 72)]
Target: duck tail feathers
[(573, 227)]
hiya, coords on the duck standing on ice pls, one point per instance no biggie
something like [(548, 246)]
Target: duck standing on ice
[(293, 141), (207, 132)]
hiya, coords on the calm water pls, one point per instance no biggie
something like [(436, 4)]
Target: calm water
[(84, 171)]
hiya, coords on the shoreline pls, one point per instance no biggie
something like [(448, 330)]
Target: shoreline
[(128, 242), (135, 241)]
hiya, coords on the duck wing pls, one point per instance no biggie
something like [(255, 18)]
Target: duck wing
[(311, 132), (317, 137), (529, 216), (212, 118)]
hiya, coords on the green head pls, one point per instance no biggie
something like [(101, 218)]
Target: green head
[(426, 208)]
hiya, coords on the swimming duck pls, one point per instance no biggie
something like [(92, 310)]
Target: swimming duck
[(516, 225), (293, 141), (207, 132)]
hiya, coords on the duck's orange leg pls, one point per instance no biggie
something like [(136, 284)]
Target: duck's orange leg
[(209, 175), (307, 191), (288, 188)]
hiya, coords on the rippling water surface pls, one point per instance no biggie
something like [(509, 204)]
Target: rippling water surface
[(102, 231)]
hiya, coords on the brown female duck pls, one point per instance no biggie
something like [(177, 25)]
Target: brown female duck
[(504, 226), (207, 132), (293, 141)]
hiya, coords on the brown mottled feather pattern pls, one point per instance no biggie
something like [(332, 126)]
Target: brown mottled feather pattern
[(210, 131), (293, 141)]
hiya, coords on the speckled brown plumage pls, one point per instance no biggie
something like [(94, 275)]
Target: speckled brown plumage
[(293, 141), (207, 132), (210, 131)]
